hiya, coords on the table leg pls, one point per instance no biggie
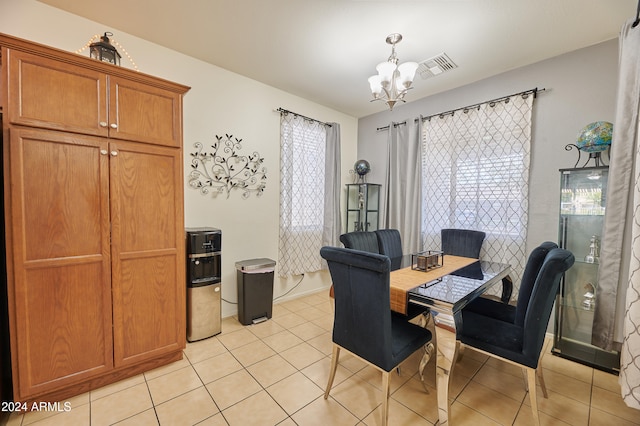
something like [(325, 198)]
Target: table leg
[(423, 321), (447, 352)]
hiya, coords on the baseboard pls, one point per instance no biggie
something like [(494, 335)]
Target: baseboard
[(288, 298)]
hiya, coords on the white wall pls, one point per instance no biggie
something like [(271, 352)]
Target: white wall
[(580, 88), (219, 102)]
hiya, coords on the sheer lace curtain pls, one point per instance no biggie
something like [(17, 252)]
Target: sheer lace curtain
[(475, 176), (309, 192)]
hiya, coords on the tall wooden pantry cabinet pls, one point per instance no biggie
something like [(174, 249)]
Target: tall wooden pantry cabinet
[(93, 195)]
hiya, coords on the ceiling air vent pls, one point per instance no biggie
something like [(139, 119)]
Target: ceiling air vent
[(434, 66)]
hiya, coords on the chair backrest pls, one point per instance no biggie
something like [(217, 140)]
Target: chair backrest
[(390, 244), (462, 242), (531, 271), (362, 322), (555, 264), (360, 240)]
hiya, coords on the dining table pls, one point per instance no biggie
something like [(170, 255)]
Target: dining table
[(445, 290)]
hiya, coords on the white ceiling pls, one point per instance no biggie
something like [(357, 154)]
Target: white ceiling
[(324, 50)]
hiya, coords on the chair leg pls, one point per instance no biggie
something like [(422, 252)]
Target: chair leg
[(332, 370), (541, 381), (332, 299), (385, 397), (531, 380)]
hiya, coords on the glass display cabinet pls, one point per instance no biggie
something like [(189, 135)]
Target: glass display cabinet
[(363, 204), (582, 210)]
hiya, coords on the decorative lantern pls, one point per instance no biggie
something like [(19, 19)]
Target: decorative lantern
[(104, 51)]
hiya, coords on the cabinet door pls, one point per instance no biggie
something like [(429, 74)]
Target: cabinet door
[(61, 259), (56, 95), (144, 113), (148, 257)]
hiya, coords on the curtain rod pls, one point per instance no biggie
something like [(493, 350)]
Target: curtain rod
[(286, 111), (534, 91), (394, 125), (526, 92)]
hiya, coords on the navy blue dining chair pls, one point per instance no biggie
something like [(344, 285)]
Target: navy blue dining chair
[(520, 341), (364, 324), (390, 244), (468, 243), (462, 242), (360, 240), (515, 313)]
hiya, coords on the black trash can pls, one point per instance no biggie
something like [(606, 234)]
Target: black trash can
[(255, 290)]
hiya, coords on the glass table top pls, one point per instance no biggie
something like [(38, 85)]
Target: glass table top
[(457, 289)]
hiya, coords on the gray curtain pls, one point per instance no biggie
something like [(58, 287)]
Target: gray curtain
[(401, 206), (332, 225), (617, 313)]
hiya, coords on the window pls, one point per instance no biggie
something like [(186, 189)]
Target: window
[(488, 192)]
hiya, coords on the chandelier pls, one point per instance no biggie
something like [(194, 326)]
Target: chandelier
[(393, 80)]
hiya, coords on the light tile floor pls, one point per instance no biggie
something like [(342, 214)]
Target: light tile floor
[(274, 373)]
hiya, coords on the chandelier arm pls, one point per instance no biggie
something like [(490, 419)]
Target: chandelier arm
[(387, 94)]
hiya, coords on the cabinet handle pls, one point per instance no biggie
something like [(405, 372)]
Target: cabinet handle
[(104, 152), (114, 126), (103, 124), (114, 153)]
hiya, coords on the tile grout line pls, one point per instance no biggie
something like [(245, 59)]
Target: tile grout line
[(604, 385), (353, 373), (153, 405)]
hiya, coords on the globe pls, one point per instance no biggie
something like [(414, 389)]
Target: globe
[(362, 167), (595, 137)]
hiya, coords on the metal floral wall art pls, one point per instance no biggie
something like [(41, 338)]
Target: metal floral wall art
[(223, 169)]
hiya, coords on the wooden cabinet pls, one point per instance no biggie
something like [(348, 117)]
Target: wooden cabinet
[(90, 101), (93, 182)]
